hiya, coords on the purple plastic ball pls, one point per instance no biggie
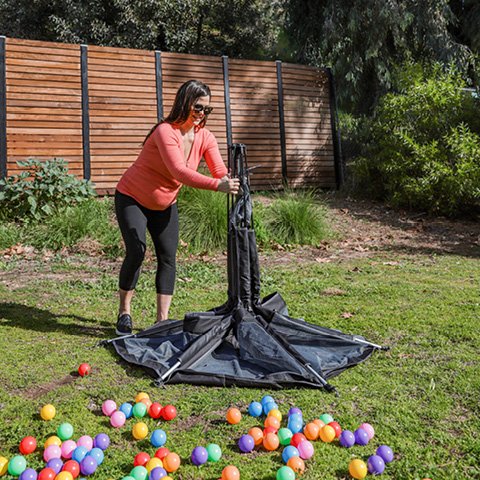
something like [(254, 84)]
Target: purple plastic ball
[(29, 474), (157, 473), (246, 443), (347, 439), (88, 465), (361, 436), (102, 441), (385, 452), (199, 456), (55, 464), (294, 410), (375, 464)]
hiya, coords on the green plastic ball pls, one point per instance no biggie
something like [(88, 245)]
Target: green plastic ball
[(214, 452), (17, 465), (139, 472), (326, 418), (65, 431), (128, 477), (285, 435), (285, 473), (139, 410)]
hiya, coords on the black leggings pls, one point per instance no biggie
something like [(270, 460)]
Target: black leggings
[(134, 219)]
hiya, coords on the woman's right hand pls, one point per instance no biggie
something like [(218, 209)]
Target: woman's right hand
[(229, 185)]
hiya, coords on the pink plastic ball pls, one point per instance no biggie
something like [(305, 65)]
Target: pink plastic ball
[(68, 446), (108, 407), (118, 419), (85, 441), (52, 451), (305, 449), (369, 429)]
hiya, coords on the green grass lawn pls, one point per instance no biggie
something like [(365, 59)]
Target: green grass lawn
[(422, 396)]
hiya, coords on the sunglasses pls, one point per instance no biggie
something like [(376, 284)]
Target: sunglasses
[(206, 109)]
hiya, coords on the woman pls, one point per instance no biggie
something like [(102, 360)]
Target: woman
[(147, 192)]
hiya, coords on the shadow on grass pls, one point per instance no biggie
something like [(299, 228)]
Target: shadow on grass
[(33, 318)]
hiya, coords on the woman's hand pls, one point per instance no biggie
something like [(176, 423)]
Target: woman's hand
[(229, 185)]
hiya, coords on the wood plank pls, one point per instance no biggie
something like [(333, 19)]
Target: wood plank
[(43, 91), (38, 43), (48, 116), (119, 86), (33, 64)]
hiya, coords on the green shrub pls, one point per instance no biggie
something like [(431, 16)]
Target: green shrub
[(41, 189), (423, 149), (10, 235)]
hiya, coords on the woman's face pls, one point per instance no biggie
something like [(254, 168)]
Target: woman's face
[(200, 109)]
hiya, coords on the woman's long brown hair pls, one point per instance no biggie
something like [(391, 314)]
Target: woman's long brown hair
[(185, 98)]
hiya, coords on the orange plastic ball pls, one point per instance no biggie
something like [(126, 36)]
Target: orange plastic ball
[(140, 431), (271, 442), (233, 416), (327, 434), (311, 431), (140, 395), (297, 465), (357, 468), (230, 473), (318, 422), (272, 422), (257, 435), (171, 462), (147, 402)]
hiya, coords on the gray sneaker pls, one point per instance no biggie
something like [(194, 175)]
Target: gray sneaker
[(124, 324)]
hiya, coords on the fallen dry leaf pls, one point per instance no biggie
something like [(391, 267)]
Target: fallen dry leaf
[(346, 315)]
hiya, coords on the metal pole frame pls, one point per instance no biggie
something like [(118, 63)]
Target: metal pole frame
[(226, 89), (159, 84), (85, 113), (281, 117), (3, 108)]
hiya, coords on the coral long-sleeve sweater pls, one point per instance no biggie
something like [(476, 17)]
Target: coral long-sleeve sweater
[(160, 170)]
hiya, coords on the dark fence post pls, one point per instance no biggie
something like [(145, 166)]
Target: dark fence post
[(337, 146), (226, 89), (85, 112), (281, 117), (3, 109), (159, 83)]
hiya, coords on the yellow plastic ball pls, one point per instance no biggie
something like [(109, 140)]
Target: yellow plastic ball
[(53, 440), (47, 412), (275, 412), (357, 469), (141, 395), (327, 434), (140, 431), (64, 475), (154, 462), (3, 465)]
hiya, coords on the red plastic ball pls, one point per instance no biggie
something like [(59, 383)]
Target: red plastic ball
[(297, 438), (47, 474), (27, 445), (84, 369), (162, 452), (268, 430), (141, 459), (155, 410), (169, 412), (73, 467), (336, 426)]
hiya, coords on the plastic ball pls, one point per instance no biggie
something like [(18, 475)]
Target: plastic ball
[(230, 472), (85, 441), (128, 477), (88, 465), (257, 435), (214, 452), (139, 410), (255, 409), (126, 408), (267, 430), (275, 412), (3, 465), (67, 448), (375, 464), (297, 465), (289, 452), (336, 426), (52, 440), (117, 419), (155, 410), (84, 369), (65, 431), (139, 473), (157, 473), (52, 451), (285, 436), (297, 438), (326, 418), (199, 456), (46, 474), (285, 473), (385, 452), (108, 407), (97, 454), (169, 412), (141, 459), (17, 465), (327, 434), (63, 475), (79, 453), (271, 421), (361, 437), (73, 467), (162, 452), (158, 438), (311, 431), (27, 445), (357, 468), (319, 423), (154, 462), (140, 431), (171, 462), (295, 425), (102, 441), (369, 429), (29, 474), (246, 443), (147, 402), (295, 417), (294, 410), (305, 449), (269, 406), (233, 416), (347, 439), (56, 464), (140, 396), (47, 412), (266, 399), (271, 442)]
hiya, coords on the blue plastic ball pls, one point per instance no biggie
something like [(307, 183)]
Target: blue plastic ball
[(79, 453), (289, 452), (255, 409), (127, 409), (158, 438), (97, 454), (295, 426), (266, 399), (269, 406)]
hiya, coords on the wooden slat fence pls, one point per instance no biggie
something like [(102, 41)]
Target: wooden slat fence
[(282, 112)]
